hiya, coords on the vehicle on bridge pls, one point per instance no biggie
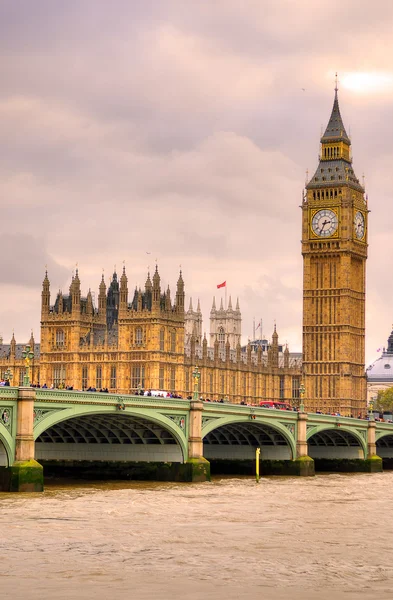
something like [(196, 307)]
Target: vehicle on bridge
[(275, 404)]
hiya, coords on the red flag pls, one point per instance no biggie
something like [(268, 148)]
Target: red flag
[(259, 324), (220, 285)]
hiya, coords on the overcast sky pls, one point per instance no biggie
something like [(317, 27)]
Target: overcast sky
[(181, 131)]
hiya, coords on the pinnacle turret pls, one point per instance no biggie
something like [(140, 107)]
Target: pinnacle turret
[(335, 130), (335, 166), (148, 284)]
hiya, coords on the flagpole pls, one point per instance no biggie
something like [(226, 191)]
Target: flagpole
[(225, 295), (253, 329)]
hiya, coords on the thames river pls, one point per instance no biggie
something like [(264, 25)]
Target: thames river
[(328, 537)]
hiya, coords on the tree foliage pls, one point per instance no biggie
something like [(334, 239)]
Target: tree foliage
[(384, 401)]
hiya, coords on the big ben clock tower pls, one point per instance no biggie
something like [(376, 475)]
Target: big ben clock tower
[(334, 248)]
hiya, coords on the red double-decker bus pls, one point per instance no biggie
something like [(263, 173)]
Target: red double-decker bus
[(277, 404)]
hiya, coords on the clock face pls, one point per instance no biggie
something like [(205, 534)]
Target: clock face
[(359, 225), (324, 223)]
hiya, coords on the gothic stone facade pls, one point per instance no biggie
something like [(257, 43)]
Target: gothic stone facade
[(123, 346), (334, 247)]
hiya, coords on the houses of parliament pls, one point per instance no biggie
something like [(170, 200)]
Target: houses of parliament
[(148, 340)]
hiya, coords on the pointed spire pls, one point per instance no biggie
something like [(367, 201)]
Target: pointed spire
[(45, 296), (221, 305), (123, 278), (275, 337), (230, 303), (204, 347), (199, 307), (156, 277), (45, 283), (335, 130), (156, 289), (180, 281), (237, 304), (89, 303), (190, 307), (214, 303), (168, 303), (148, 284), (13, 345)]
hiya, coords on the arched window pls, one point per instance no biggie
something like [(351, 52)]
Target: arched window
[(221, 336), (162, 340), (99, 378), (60, 337), (84, 378), (173, 341), (138, 336), (113, 378)]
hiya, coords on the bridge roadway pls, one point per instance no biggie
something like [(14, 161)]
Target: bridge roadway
[(111, 431)]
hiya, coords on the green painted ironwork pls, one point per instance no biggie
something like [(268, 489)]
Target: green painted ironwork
[(27, 356)]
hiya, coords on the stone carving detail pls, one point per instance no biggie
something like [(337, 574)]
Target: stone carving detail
[(6, 417), (179, 420)]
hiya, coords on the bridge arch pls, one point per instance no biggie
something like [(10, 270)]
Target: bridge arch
[(6, 447), (236, 437), (332, 441), (100, 433), (384, 445)]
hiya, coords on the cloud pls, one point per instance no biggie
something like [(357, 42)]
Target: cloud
[(184, 131)]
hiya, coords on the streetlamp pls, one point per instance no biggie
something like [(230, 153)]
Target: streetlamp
[(302, 391), (196, 375), (27, 356), (8, 376), (370, 408)]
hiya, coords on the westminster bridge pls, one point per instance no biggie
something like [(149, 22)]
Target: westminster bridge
[(118, 436)]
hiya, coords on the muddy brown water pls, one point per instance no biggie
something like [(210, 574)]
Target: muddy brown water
[(314, 538)]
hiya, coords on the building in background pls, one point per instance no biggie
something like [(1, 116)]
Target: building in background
[(380, 372)]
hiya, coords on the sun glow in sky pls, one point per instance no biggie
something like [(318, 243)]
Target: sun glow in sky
[(367, 83)]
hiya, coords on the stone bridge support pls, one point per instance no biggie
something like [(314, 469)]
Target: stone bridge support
[(25, 474), (375, 461), (304, 464), (199, 466)]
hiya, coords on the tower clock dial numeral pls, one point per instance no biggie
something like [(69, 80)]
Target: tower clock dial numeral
[(359, 225), (324, 223)]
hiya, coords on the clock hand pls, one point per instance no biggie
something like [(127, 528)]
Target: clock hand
[(323, 225)]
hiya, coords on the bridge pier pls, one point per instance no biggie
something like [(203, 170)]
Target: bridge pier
[(304, 464), (198, 467), (373, 460), (25, 474)]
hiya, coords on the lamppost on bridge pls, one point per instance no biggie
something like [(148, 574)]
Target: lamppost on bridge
[(196, 375), (27, 356), (8, 376), (370, 410), (302, 391)]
